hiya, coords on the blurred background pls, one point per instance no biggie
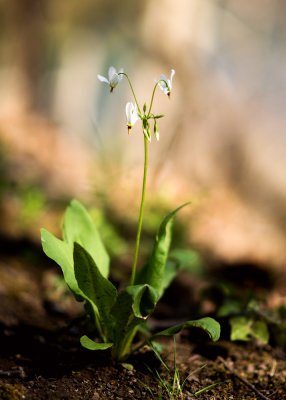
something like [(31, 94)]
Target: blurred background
[(222, 140)]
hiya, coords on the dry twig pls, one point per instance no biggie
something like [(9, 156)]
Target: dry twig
[(244, 381)]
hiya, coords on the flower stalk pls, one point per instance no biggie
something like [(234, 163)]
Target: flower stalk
[(133, 114), (140, 219)]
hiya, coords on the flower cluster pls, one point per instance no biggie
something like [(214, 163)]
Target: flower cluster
[(133, 112)]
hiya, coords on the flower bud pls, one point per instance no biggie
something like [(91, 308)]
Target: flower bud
[(156, 130), (146, 129)]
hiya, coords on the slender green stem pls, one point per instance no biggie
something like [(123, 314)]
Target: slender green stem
[(131, 87), (152, 98), (141, 212)]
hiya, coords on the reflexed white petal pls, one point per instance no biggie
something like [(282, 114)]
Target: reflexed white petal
[(129, 108), (111, 72), (172, 74), (163, 77), (102, 78), (135, 115), (132, 114)]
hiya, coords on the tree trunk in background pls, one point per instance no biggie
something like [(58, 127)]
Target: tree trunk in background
[(28, 22)]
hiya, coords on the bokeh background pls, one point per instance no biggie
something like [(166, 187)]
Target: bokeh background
[(222, 140)]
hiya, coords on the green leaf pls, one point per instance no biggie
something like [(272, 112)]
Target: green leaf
[(144, 299), (209, 325), (127, 366), (229, 307), (79, 227), (96, 288), (61, 253), (188, 260), (157, 347), (153, 272), (246, 328), (132, 308), (91, 345)]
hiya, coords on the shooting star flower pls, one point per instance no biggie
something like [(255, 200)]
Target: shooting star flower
[(114, 78), (165, 84), (132, 115)]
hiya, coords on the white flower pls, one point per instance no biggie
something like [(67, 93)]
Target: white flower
[(132, 115), (166, 88), (113, 78)]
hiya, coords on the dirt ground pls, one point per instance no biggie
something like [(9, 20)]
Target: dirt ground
[(41, 358)]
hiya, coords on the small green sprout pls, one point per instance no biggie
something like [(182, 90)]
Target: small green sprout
[(172, 386), (117, 316)]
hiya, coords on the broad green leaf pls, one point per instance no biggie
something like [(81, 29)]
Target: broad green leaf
[(153, 272), (78, 227), (144, 299), (124, 322), (132, 308), (89, 344), (96, 288), (246, 328), (209, 325), (61, 253)]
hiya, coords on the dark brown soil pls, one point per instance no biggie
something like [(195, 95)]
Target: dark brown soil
[(41, 358)]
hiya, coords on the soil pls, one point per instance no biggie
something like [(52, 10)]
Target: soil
[(41, 358)]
